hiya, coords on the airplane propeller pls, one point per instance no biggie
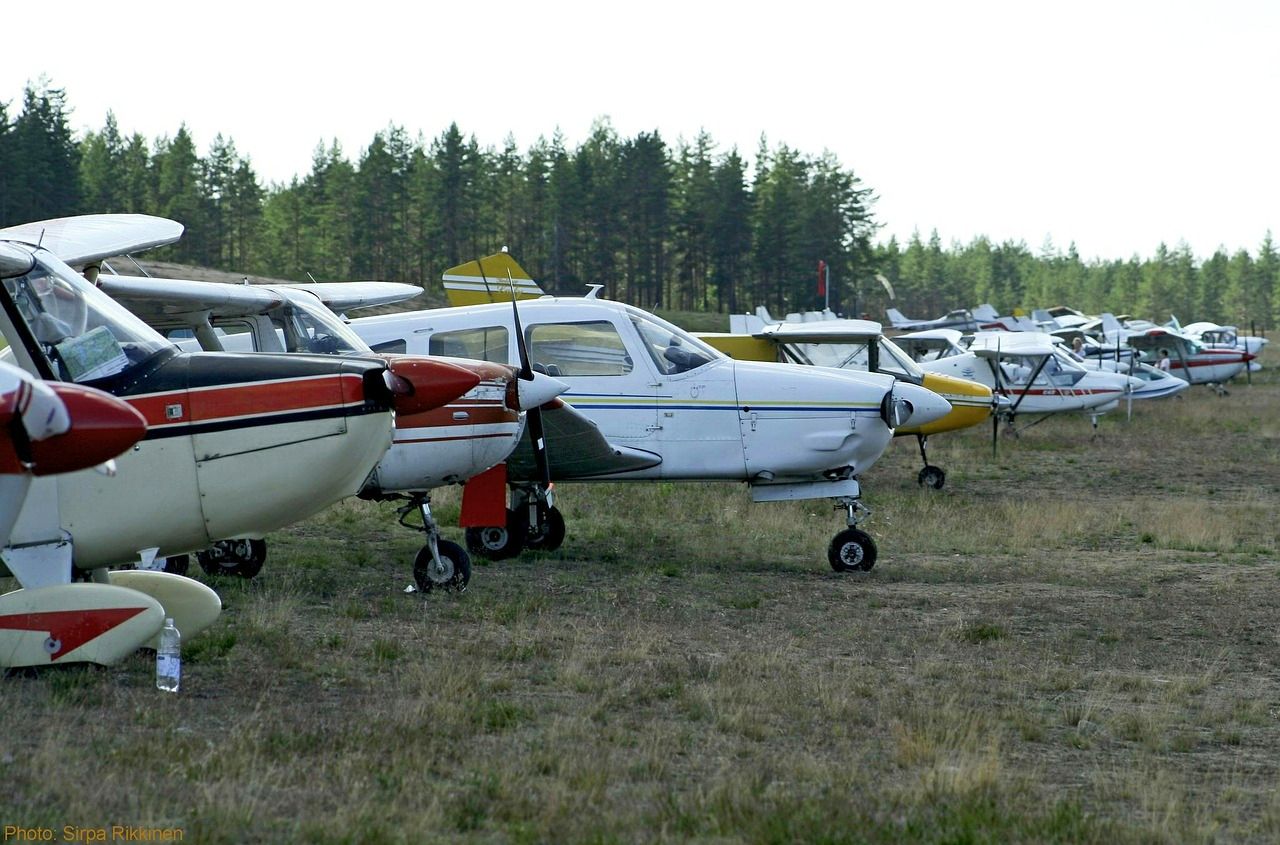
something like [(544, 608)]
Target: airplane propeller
[(534, 413)]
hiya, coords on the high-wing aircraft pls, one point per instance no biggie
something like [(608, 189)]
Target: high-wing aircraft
[(789, 432), (48, 428), (236, 445), (432, 448), (857, 345), (1189, 359), (1027, 367), (1216, 336)]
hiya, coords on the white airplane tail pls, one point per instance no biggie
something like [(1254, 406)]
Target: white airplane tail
[(896, 318), (986, 312)]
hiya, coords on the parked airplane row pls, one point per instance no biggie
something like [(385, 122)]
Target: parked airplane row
[(239, 443)]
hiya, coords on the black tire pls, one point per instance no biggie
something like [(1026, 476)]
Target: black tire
[(456, 561), (500, 542), (852, 551), (932, 477), (177, 565), (549, 536), (241, 558)]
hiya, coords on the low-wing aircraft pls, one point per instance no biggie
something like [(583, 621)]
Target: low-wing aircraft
[(236, 445), (789, 432), (961, 319), (857, 345), (431, 448)]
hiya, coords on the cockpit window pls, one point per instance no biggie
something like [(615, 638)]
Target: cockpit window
[(85, 334), (487, 343), (673, 350), (591, 348), (307, 327)]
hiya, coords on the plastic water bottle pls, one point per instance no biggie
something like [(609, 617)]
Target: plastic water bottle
[(169, 658)]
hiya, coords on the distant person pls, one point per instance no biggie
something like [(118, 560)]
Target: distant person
[(1164, 361), (1077, 346)]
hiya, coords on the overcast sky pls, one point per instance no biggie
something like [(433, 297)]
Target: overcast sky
[(1115, 125)]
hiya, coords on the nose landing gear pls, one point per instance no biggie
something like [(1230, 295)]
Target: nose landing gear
[(439, 564), (931, 476), (852, 550), (533, 522)]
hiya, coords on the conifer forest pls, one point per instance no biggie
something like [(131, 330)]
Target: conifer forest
[(684, 225)]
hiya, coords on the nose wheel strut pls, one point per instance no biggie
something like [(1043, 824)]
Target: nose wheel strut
[(852, 550), (439, 564)]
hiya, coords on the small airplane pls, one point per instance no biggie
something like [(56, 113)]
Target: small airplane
[(962, 319), (431, 448), (821, 339), (1029, 368), (236, 445), (1216, 336), (788, 432), (49, 428), (1188, 359)]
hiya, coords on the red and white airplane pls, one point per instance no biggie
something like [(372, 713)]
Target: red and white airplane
[(48, 428), (236, 445), (431, 448)]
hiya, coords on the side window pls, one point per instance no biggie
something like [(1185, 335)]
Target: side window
[(485, 344), (398, 347), (578, 349)]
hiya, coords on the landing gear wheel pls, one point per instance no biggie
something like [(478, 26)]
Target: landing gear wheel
[(456, 572), (852, 551), (548, 536), (500, 542), (932, 477), (242, 558), (177, 565)]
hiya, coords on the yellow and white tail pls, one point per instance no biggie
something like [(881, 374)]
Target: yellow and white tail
[(489, 279)]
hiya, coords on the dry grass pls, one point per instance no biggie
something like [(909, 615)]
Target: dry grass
[(1071, 643)]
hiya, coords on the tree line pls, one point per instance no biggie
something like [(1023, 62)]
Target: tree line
[(683, 226)]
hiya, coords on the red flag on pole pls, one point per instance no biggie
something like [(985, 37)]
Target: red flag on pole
[(822, 278)]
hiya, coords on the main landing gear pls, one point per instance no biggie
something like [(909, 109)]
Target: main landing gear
[(533, 522), (931, 476), (439, 564), (241, 557), (852, 550)]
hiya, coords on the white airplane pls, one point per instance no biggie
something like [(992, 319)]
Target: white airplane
[(1027, 367), (1216, 336), (1188, 359), (962, 319), (822, 339), (431, 448), (237, 445), (789, 432), (48, 428)]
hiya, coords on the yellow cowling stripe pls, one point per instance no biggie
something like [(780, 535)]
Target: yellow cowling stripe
[(970, 405)]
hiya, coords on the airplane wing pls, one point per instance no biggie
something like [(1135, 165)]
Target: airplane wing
[(348, 296), (994, 344), (157, 298), (824, 331), (575, 448), (92, 237), (489, 279)]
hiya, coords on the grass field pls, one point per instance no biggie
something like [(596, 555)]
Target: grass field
[(1075, 642)]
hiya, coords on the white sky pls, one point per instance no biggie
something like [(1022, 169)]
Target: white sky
[(1116, 125)]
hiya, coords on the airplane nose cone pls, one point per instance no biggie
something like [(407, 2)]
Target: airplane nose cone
[(102, 427), (541, 390), (925, 405), (420, 384)]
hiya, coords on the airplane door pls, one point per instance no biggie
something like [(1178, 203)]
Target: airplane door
[(606, 382)]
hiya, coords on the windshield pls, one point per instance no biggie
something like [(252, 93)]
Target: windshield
[(84, 333), (894, 360), (673, 349), (306, 325)]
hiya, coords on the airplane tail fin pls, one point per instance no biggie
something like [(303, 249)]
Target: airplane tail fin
[(986, 311), (486, 280), (896, 319)]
